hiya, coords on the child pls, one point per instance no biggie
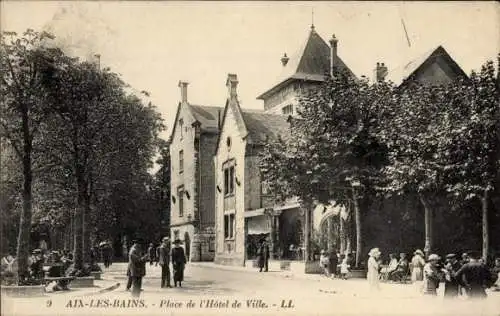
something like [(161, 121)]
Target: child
[(344, 268), (324, 262)]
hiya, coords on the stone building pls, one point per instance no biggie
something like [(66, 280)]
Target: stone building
[(192, 144)]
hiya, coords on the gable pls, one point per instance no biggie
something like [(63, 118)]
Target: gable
[(232, 123), (183, 113)]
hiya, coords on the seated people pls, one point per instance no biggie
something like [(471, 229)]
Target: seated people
[(402, 269), (36, 264)]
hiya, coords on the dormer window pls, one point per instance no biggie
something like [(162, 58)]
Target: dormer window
[(287, 110)]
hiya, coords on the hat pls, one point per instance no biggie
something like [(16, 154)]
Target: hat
[(37, 251), (177, 241), (374, 251), (474, 254), (451, 256), (323, 251), (434, 257), (165, 239), (419, 252)]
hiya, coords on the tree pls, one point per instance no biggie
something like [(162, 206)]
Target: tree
[(24, 62), (412, 135), (333, 152), (470, 134)]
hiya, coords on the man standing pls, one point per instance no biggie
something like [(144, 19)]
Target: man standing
[(451, 285), (151, 253), (474, 276), (136, 267), (164, 261), (263, 256)]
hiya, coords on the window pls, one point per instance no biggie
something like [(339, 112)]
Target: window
[(288, 110), (229, 180), (181, 161), (229, 226), (181, 124), (180, 196)]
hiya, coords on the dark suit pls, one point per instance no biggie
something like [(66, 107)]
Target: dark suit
[(137, 269), (263, 257), (178, 262), (475, 278), (451, 285), (164, 261)]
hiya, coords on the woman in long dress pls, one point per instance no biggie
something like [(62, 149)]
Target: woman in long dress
[(431, 275), (373, 269), (417, 265), (178, 262)]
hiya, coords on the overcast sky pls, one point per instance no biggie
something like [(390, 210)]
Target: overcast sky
[(156, 44)]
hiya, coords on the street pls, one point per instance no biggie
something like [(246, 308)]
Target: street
[(208, 290)]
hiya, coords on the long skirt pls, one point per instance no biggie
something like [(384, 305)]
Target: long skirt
[(417, 274), (178, 272)]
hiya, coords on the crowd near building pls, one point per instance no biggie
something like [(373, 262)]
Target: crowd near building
[(220, 205)]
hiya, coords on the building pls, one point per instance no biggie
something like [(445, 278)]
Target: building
[(192, 144), (305, 69), (243, 211)]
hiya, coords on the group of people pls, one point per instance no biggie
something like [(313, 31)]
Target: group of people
[(105, 251), (467, 275), (163, 255), (335, 264)]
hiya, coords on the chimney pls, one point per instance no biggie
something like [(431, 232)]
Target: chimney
[(97, 60), (184, 93), (333, 52), (231, 84), (380, 72), (284, 60)]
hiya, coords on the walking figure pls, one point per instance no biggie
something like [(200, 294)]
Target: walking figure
[(137, 267), (178, 262), (451, 285)]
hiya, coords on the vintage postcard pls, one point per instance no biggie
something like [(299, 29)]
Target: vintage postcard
[(250, 158)]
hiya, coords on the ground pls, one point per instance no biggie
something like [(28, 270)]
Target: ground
[(214, 291)]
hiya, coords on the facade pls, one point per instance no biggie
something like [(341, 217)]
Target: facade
[(244, 213), (192, 144)]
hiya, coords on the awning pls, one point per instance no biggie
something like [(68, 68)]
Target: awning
[(258, 225)]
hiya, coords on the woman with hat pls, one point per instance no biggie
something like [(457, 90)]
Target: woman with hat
[(373, 269), (417, 264), (431, 275), (178, 262)]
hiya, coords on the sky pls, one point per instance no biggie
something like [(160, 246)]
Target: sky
[(155, 44)]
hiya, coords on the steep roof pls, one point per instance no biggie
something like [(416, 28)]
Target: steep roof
[(399, 74), (311, 62), (209, 117), (262, 126)]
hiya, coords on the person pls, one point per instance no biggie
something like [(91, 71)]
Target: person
[(451, 286), (324, 262), (137, 267), (263, 255), (475, 277), (401, 268), (391, 268), (496, 275), (163, 257), (373, 269), (178, 262), (417, 265), (334, 261), (431, 275), (344, 267), (106, 254), (151, 253), (36, 264)]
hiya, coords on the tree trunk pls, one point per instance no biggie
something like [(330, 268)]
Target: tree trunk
[(23, 238), (428, 225), (86, 229), (357, 218), (486, 234), (78, 220), (342, 235), (307, 234)]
